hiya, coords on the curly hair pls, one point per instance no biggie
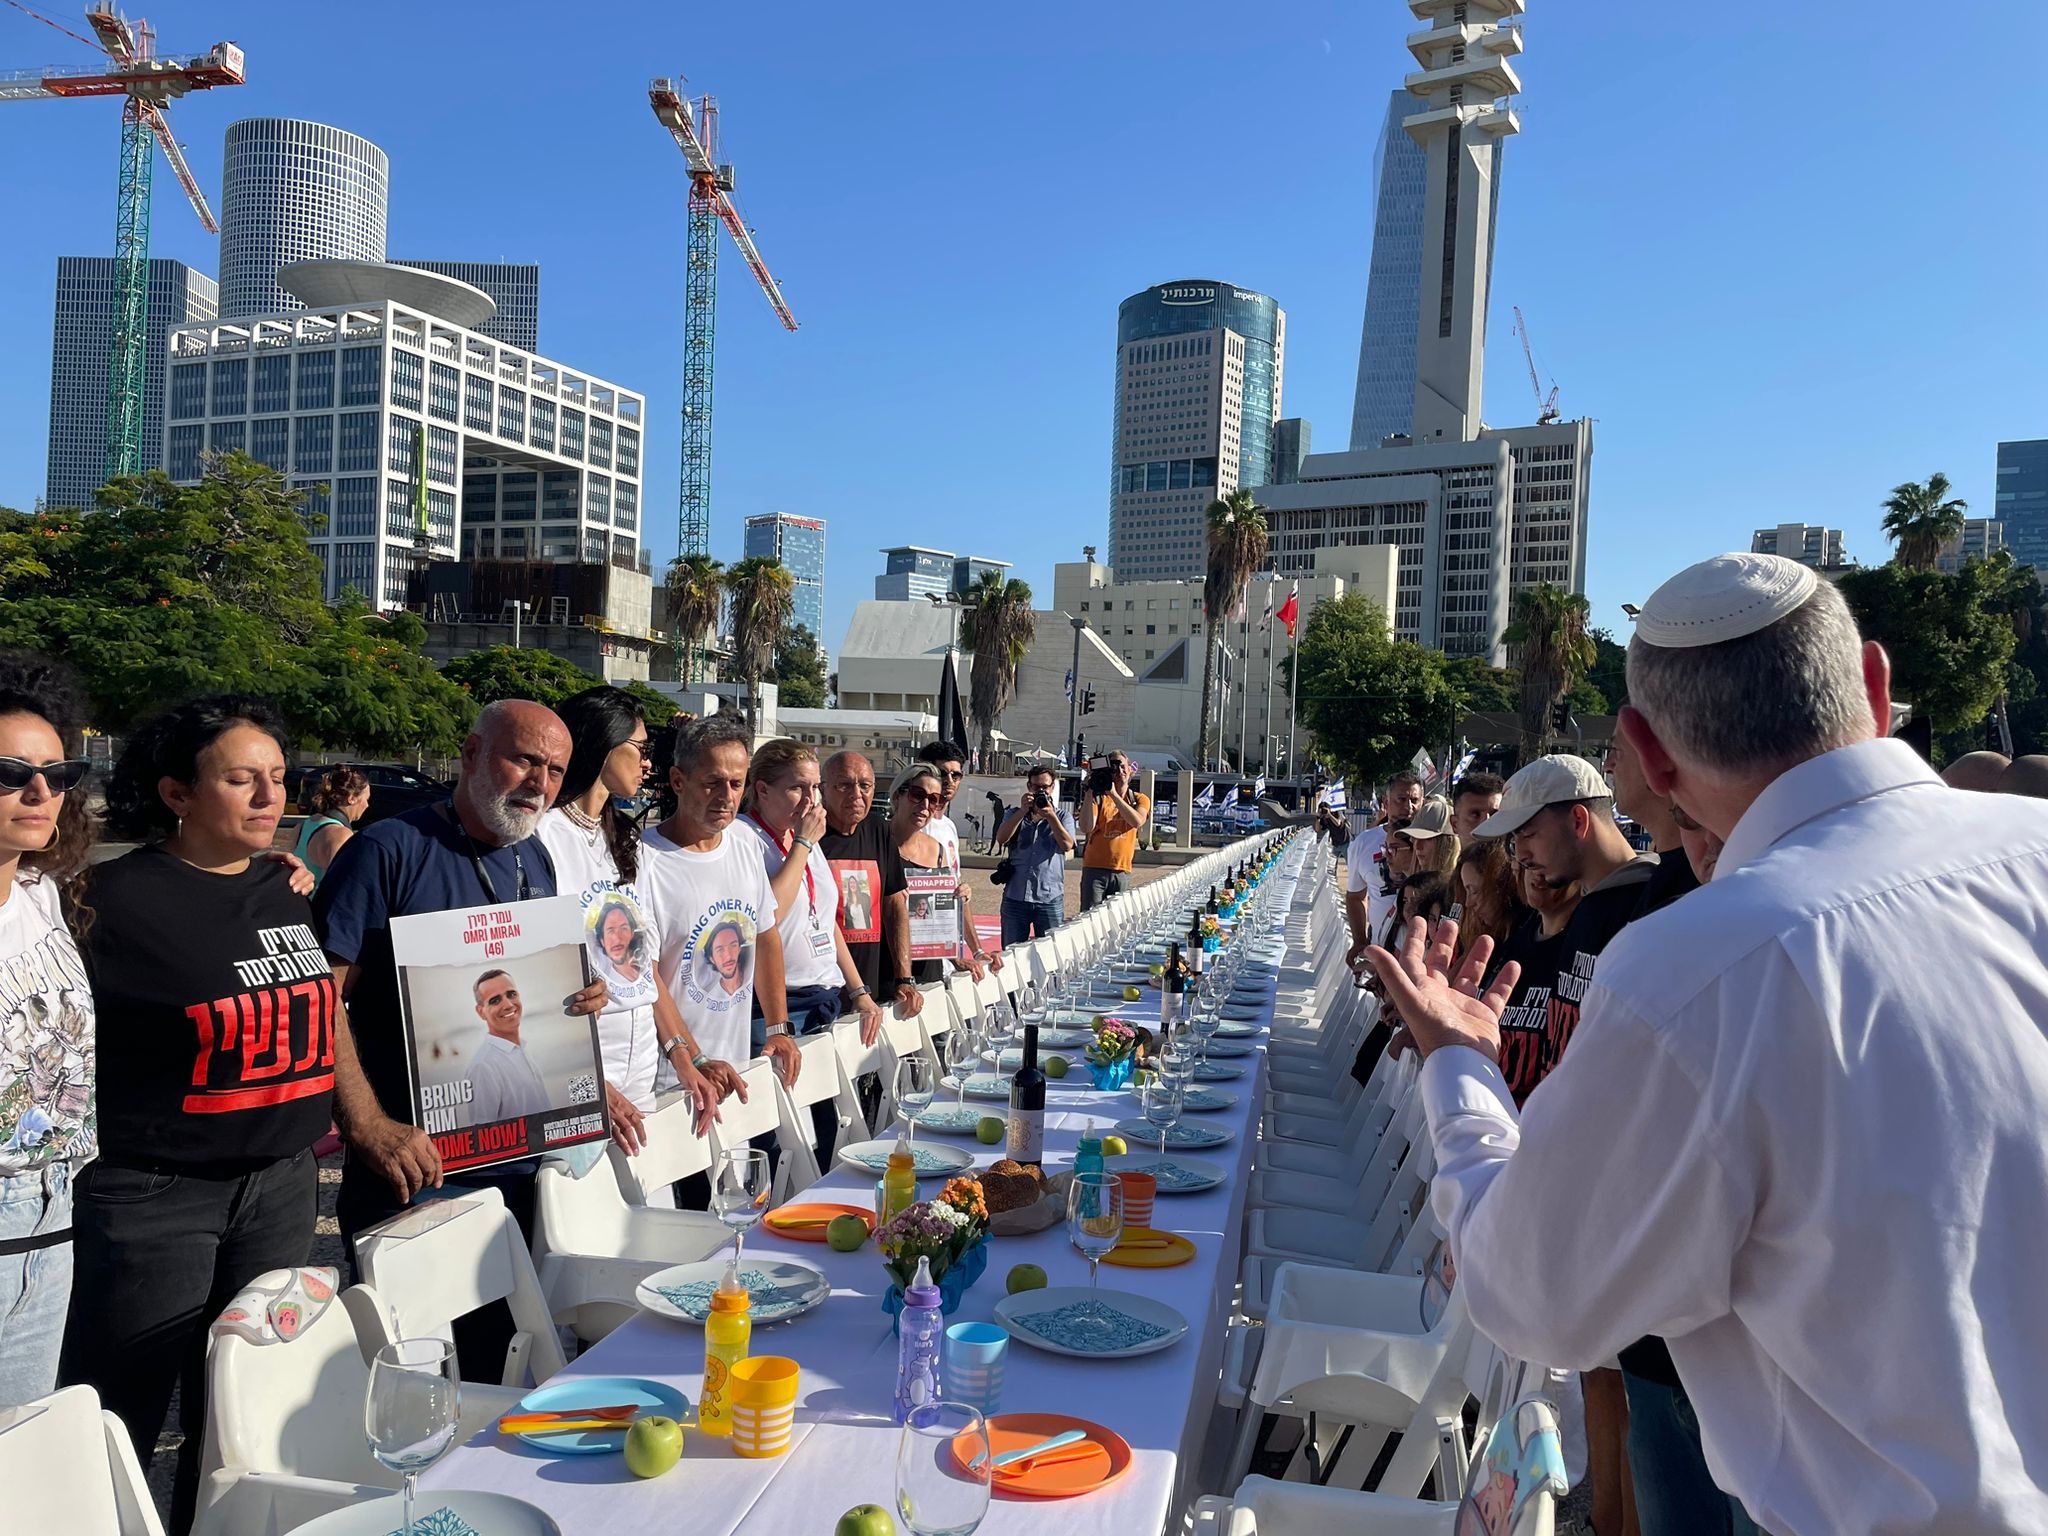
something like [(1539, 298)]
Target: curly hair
[(338, 786), (34, 684), (169, 747)]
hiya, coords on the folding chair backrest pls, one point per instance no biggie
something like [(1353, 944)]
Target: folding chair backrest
[(671, 1150), (856, 1056), (738, 1123), (61, 1462), (963, 1008)]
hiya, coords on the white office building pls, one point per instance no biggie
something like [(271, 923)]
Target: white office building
[(295, 191), (384, 388), (81, 348), (1981, 538), (1808, 543), (514, 286)]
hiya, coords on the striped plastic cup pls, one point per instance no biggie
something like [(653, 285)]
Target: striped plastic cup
[(1139, 1190), (763, 1404), (973, 1366)]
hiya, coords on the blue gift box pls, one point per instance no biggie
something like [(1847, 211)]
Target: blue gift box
[(1117, 1074)]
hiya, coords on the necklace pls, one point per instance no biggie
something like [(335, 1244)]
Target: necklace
[(577, 817)]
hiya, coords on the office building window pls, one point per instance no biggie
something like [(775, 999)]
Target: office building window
[(476, 403), (516, 494), (441, 446), (572, 434), (316, 381), (269, 440), (313, 452), (444, 391), (594, 546), (355, 508), (408, 377), (629, 451), (626, 506), (313, 509), (402, 444), (231, 387), (401, 515), (600, 442), (512, 543), (273, 384), (540, 425), (560, 489), (600, 499), (479, 498), (188, 391), (181, 453), (362, 376), (512, 414), (358, 443), (228, 437), (354, 565)]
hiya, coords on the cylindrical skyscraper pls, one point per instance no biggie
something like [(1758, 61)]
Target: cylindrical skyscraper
[(294, 191)]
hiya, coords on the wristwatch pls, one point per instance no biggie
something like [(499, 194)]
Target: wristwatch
[(784, 1028), (903, 981), (857, 994)]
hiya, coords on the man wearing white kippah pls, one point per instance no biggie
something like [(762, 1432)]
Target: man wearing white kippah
[(1799, 1132)]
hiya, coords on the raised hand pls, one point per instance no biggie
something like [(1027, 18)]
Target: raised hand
[(1440, 1008)]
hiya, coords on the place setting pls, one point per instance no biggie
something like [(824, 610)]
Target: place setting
[(1087, 1321), (776, 1289)]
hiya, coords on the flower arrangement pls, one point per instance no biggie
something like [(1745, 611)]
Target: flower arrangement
[(940, 1230), (1114, 1040)]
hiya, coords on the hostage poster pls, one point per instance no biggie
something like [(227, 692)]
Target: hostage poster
[(934, 898), (499, 1071)]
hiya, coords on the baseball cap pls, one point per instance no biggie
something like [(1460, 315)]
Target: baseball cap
[(1724, 598), (1433, 820), (1554, 780)]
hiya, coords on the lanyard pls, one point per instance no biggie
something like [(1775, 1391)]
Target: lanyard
[(484, 875), (810, 881)]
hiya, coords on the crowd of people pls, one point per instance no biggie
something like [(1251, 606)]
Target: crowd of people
[(1743, 1126), (183, 1027)]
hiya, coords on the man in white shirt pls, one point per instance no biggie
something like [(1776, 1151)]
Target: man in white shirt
[(1799, 1133), (504, 1084), (1367, 902), (952, 768)]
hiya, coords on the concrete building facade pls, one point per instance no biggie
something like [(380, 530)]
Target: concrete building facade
[(295, 191), (82, 338), (1199, 371), (799, 543), (910, 572), (429, 435), (1981, 537), (1808, 543), (514, 286), (2022, 500), (598, 616)]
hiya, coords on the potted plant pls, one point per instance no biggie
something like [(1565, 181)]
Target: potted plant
[(1113, 1054), (950, 1231)]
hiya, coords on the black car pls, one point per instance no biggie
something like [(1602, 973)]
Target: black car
[(394, 788)]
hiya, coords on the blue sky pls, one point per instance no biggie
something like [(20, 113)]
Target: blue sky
[(1784, 259)]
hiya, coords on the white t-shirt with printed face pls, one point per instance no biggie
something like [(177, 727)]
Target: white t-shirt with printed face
[(708, 907), (940, 829), (624, 949), (1363, 871), (809, 956)]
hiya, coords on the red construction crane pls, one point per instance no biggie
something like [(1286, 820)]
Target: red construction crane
[(1546, 406), (132, 70)]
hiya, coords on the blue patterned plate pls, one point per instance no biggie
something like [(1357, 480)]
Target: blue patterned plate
[(777, 1289), (1057, 1319), (980, 1085), (1176, 1175), (1064, 1039), (1141, 1133), (950, 1120), (932, 1162), (596, 1392), (1230, 1048), (1216, 1072), (1235, 1029), (1199, 1099)]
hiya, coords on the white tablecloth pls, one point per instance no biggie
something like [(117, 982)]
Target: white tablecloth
[(844, 1448)]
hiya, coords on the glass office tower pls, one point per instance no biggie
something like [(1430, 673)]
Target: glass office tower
[(799, 543)]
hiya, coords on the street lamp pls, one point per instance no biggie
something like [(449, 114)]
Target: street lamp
[(519, 606), (952, 601)]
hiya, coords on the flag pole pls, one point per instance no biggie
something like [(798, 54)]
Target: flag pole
[(1266, 737), (1244, 692), (1293, 693)]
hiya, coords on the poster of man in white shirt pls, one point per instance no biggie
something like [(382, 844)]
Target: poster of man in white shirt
[(504, 1084)]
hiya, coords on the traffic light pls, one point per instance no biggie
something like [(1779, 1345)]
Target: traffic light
[(1561, 716), (1087, 701)]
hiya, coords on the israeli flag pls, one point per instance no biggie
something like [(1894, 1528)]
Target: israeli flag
[(1334, 797), (1259, 787), (1070, 692), (1207, 797)]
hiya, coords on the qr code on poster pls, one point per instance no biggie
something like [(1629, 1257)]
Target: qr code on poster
[(583, 1088)]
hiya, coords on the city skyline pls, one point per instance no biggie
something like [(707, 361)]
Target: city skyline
[(1662, 274)]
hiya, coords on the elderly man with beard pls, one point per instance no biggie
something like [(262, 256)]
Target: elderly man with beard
[(478, 849)]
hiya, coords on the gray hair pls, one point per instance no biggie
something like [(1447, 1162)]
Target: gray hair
[(1761, 702), (700, 737)]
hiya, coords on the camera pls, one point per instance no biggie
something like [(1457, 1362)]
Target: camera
[(1039, 800), (1102, 780)]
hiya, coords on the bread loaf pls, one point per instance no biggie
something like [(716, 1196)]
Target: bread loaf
[(1008, 1185)]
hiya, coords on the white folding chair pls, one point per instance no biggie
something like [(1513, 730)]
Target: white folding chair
[(762, 1113), (444, 1259), (858, 1059), (67, 1466), (823, 1080)]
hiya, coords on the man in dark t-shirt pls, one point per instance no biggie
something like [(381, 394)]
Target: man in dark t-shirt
[(873, 913)]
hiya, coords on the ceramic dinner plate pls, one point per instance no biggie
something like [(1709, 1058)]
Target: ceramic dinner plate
[(932, 1162), (1235, 1029), (492, 1514), (1216, 1072), (980, 1085), (1200, 1099), (1055, 1477), (1183, 1135), (598, 1392), (1056, 1319), (1231, 1048), (777, 1290), (1064, 1039), (1176, 1175), (951, 1119)]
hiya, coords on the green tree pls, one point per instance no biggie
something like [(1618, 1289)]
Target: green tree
[(996, 629), (366, 685), (658, 706), (517, 672), (798, 671), (1237, 544), (1480, 687), (1372, 702), (1950, 638), (694, 592), (1547, 638), (1921, 517), (1609, 673), (761, 593)]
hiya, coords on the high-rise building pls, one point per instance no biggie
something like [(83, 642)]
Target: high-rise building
[(1981, 538), (799, 543), (2022, 500), (1198, 376), (79, 360), (1384, 404), (968, 569), (1808, 543), (911, 571), (294, 191), (514, 286), (382, 387)]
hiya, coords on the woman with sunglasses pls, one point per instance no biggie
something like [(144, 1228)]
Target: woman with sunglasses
[(914, 799), (596, 850), (220, 1025), (46, 1014)]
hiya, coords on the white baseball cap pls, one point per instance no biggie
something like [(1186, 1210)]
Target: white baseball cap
[(1433, 820), (1724, 598), (1557, 779)]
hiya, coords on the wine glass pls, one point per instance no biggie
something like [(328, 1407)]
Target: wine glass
[(739, 1192), (1095, 1224), (914, 1089), (963, 1055), (943, 1468), (1176, 1061), (1208, 1019), (411, 1408), (1162, 1106)]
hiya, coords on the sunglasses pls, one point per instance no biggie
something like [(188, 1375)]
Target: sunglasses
[(16, 774), (954, 775), (920, 796)]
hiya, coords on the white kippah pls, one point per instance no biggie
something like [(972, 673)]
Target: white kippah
[(1724, 598)]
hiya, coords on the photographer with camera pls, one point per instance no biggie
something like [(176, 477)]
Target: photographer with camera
[(1035, 839), (1111, 814)]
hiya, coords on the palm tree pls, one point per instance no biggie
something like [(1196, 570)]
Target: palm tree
[(1919, 519), (997, 627), (695, 593), (1237, 548), (762, 593), (1548, 638)]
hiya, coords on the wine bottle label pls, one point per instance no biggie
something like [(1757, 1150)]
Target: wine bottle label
[(1026, 1141)]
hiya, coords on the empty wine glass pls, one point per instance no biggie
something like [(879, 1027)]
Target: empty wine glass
[(1176, 1061), (1162, 1106), (1095, 1224), (963, 1055), (1208, 1019), (943, 1467), (739, 1192), (914, 1088), (411, 1407)]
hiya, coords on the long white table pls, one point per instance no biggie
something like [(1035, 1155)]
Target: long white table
[(844, 1449)]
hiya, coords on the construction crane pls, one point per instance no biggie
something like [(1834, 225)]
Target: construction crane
[(132, 70), (710, 205), (1546, 405)]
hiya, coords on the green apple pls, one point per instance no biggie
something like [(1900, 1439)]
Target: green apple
[(653, 1446), (1025, 1277), (865, 1520), (1055, 1066), (1155, 969), (845, 1234), (1114, 1146), (988, 1130), (1133, 994)]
